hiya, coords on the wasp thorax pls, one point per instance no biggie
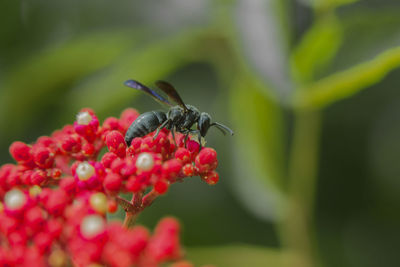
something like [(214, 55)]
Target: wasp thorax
[(175, 114)]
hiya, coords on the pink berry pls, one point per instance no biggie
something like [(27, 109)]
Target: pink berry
[(116, 143)]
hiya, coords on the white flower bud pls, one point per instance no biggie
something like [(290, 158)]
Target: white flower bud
[(14, 199), (84, 171), (83, 118), (92, 225), (145, 161)]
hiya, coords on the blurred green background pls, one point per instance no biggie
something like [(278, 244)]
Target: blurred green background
[(310, 87)]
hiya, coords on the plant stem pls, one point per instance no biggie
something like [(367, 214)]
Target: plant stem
[(134, 207), (297, 230)]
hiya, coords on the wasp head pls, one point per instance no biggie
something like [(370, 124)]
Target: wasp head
[(204, 123)]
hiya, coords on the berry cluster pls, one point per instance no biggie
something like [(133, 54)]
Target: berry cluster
[(55, 199)]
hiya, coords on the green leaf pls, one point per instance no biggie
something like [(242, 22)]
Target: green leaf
[(346, 83), (240, 255), (369, 51), (365, 35), (316, 49), (42, 80), (259, 149)]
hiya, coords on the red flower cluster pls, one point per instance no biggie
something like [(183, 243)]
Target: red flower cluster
[(55, 198)]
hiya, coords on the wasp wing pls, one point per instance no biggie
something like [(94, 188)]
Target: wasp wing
[(171, 92), (137, 85)]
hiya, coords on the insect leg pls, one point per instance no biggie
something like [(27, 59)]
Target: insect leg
[(159, 128), (173, 135), (186, 137)]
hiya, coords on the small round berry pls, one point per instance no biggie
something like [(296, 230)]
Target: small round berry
[(83, 118), (68, 184), (98, 202), (127, 117), (112, 182), (206, 161), (43, 157), (58, 258), (56, 173), (92, 225), (35, 191), (14, 199), (88, 149), (107, 159), (116, 143), (161, 186), (43, 241), (211, 178), (171, 169), (188, 169), (183, 155), (145, 161), (57, 201), (85, 171), (112, 206), (110, 124), (38, 177), (20, 151), (34, 217), (71, 143)]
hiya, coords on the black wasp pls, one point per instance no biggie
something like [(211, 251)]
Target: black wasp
[(179, 118)]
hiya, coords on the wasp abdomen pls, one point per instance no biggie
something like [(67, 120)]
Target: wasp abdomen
[(144, 124)]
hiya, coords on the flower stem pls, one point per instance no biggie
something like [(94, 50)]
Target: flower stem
[(134, 207), (297, 227)]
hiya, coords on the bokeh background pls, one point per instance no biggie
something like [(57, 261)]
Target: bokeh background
[(310, 87)]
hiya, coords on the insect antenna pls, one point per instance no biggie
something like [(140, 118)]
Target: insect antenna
[(224, 129)]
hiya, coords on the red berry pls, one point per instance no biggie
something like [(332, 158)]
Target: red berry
[(43, 156), (71, 144), (210, 178), (206, 160), (110, 124), (171, 169), (34, 218), (68, 184), (88, 149), (21, 152), (38, 177), (183, 155), (107, 159), (112, 206), (188, 170), (112, 182), (161, 186), (43, 241), (127, 117), (116, 143), (57, 202)]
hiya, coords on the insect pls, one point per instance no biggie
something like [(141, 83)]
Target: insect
[(180, 118)]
